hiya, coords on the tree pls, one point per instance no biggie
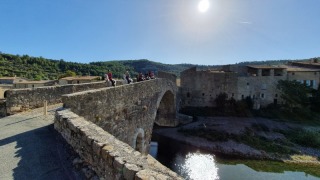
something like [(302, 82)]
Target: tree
[(221, 101), (315, 100), (294, 93)]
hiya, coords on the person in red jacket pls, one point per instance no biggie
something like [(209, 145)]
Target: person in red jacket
[(109, 76)]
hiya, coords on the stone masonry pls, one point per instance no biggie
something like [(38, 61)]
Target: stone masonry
[(109, 157), (128, 112), (18, 100)]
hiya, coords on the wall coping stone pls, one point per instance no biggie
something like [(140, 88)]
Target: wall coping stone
[(106, 154)]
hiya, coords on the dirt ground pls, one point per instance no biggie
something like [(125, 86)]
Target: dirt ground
[(235, 125)]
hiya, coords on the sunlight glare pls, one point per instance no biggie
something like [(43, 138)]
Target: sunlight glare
[(201, 166), (203, 5)]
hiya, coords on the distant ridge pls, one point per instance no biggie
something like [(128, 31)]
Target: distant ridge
[(39, 68)]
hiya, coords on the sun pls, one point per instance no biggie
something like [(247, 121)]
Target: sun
[(203, 6)]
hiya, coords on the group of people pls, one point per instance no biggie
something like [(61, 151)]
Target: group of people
[(127, 78), (146, 76)]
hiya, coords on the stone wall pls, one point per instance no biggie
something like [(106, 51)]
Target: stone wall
[(3, 110), (166, 75), (200, 88), (4, 88), (109, 157), (262, 89), (18, 100), (305, 76), (129, 111)]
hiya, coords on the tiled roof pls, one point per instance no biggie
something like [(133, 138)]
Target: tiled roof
[(265, 67), (301, 69)]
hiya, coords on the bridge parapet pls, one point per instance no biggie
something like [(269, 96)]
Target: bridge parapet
[(128, 112), (18, 100), (109, 157)]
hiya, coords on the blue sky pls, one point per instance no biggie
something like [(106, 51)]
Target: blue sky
[(167, 31)]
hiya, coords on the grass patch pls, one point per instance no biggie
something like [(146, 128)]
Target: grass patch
[(260, 127), (296, 115), (303, 158), (262, 143), (303, 137), (247, 137)]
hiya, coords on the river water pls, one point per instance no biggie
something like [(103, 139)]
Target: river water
[(194, 164)]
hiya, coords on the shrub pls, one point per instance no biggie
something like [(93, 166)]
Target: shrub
[(260, 127)]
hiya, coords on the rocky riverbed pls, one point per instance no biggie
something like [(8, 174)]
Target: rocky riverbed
[(266, 129)]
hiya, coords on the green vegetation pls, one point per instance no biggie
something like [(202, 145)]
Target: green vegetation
[(39, 68), (301, 105), (223, 107), (303, 137), (280, 147), (260, 127)]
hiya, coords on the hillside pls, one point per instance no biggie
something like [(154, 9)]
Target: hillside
[(39, 68)]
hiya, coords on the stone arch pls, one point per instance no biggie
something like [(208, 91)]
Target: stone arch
[(166, 110), (5, 94), (138, 142)]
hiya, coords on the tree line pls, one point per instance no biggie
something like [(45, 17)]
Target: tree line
[(39, 68)]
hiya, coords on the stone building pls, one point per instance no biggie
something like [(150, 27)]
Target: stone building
[(78, 80), (200, 88), (11, 80)]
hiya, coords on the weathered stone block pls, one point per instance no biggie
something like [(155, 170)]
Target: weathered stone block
[(96, 147), (145, 175), (118, 164), (130, 170)]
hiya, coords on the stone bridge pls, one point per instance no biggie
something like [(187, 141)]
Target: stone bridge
[(128, 112), (109, 127)]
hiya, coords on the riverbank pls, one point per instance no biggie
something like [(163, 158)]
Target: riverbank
[(247, 138)]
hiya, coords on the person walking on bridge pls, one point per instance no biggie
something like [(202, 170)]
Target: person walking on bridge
[(128, 77), (109, 77)]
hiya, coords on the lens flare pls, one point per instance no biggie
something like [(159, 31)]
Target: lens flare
[(203, 5)]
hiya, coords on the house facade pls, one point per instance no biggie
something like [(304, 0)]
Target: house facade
[(200, 88)]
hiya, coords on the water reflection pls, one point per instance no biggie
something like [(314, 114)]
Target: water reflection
[(197, 166), (192, 163)]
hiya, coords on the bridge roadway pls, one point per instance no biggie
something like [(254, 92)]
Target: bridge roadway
[(30, 148)]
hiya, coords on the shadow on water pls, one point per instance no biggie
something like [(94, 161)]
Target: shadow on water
[(42, 154), (190, 162)]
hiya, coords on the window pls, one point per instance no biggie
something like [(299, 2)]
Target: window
[(232, 94), (242, 96), (248, 84), (308, 83), (292, 73), (276, 95), (262, 95), (263, 86), (202, 94), (188, 94)]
